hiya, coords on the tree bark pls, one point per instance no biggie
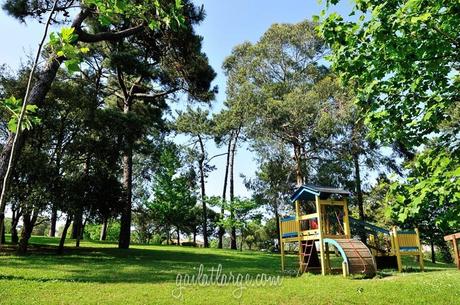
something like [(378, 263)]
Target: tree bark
[(80, 229), (224, 195), (203, 192), (433, 251), (104, 229), (359, 196), (298, 161), (126, 213), (14, 224), (28, 223), (53, 220), (3, 235), (78, 220), (359, 192), (68, 221)]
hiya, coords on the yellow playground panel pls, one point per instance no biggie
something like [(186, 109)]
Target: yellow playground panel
[(321, 223)]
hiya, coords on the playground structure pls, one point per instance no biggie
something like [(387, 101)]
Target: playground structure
[(321, 223), (389, 246), (454, 238)]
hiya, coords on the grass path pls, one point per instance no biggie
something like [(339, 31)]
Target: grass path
[(101, 274)]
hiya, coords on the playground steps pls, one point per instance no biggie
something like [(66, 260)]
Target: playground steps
[(309, 256)]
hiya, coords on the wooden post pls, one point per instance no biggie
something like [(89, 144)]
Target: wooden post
[(373, 243), (281, 246), (328, 260), (320, 229), (299, 237), (396, 248), (420, 250), (346, 221), (456, 254), (345, 270)]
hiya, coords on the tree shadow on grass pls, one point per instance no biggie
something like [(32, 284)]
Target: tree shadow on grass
[(111, 265)]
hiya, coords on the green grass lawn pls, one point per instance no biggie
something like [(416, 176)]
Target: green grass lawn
[(98, 273)]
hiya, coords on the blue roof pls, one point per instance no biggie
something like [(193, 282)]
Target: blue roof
[(309, 192)]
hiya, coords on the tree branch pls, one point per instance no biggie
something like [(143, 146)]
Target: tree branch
[(107, 36)]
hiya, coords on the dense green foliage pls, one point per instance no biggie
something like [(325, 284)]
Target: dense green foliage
[(401, 57)]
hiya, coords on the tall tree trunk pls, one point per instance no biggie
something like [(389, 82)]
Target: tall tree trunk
[(224, 195), (105, 223), (80, 230), (126, 213), (203, 192), (53, 220), (78, 220), (28, 223), (298, 161), (194, 237), (359, 195), (233, 245), (3, 234), (68, 221), (433, 251), (359, 192), (14, 224)]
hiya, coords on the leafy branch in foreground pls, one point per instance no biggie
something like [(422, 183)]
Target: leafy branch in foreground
[(13, 106)]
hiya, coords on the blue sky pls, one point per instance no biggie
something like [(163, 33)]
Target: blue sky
[(227, 24)]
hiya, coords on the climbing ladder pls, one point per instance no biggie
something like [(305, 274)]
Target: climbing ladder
[(308, 250)]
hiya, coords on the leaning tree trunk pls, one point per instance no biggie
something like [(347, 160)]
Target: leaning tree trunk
[(42, 86), (126, 213), (68, 221), (224, 196), (104, 228), (203, 193), (37, 97), (28, 223)]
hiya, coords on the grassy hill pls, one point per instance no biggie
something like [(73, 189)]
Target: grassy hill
[(99, 273)]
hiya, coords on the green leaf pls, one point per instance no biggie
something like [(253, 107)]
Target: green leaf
[(72, 65), (84, 50), (12, 125)]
